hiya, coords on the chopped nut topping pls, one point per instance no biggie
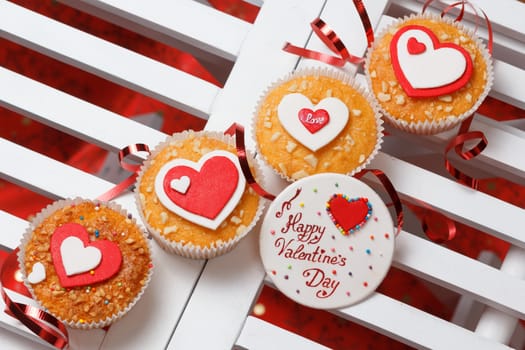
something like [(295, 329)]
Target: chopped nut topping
[(373, 74), (468, 97), (329, 93), (290, 146), (311, 159), (400, 100), (383, 97), (361, 158), (282, 167), (445, 98), (170, 229), (163, 217), (356, 112), (299, 174), (275, 136), (267, 125), (292, 88), (236, 220), (384, 86), (449, 109)]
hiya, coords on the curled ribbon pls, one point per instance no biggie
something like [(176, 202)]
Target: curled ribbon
[(39, 322), (237, 130), (464, 135), (333, 42), (391, 191), (134, 168)]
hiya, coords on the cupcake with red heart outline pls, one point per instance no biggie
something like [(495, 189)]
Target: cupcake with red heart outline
[(193, 197), (315, 121), (86, 262), (428, 73)]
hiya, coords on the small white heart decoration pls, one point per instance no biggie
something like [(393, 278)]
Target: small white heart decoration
[(78, 259), (180, 185), (288, 113), (38, 273)]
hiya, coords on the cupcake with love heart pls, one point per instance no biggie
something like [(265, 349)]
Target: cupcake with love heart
[(86, 262), (428, 73), (193, 196), (315, 121)]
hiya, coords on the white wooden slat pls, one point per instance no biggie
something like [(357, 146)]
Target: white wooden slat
[(457, 201), (215, 294), (261, 335), (156, 319), (459, 273), (107, 60), (185, 20), (72, 115), (413, 326), (512, 26)]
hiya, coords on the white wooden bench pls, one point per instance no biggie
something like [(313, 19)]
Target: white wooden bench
[(204, 304)]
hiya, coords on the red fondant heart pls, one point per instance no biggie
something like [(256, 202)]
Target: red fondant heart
[(108, 266), (210, 188), (314, 121), (348, 214), (417, 48)]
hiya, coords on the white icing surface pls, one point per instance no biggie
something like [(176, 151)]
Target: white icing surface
[(293, 244), (198, 219), (77, 258), (288, 113), (38, 273), (431, 68), (181, 185)]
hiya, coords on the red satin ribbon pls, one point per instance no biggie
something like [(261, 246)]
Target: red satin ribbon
[(464, 135), (457, 144), (39, 322), (391, 191), (333, 42), (237, 130), (134, 168)]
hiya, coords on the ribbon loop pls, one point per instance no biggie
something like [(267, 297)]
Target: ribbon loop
[(134, 168), (333, 42), (237, 130), (391, 191)]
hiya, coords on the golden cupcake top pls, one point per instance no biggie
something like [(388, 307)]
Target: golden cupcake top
[(316, 121), (192, 193), (85, 262), (425, 69)]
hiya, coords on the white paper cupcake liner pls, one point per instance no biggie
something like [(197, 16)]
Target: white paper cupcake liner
[(436, 126), (49, 210), (331, 73), (187, 249)]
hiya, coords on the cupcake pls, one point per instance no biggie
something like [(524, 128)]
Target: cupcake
[(193, 197), (428, 73), (315, 121), (86, 262)]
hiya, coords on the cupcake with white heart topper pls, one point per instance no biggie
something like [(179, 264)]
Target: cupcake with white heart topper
[(86, 262), (428, 73), (193, 197), (315, 121)]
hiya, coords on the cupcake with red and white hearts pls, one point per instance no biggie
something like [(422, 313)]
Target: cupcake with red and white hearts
[(316, 121), (86, 262), (193, 197), (428, 73)]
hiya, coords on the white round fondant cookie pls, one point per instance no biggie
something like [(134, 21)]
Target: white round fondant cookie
[(327, 241)]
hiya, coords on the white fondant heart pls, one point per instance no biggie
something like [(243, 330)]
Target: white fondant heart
[(288, 113), (38, 274), (180, 185), (78, 259), (434, 67)]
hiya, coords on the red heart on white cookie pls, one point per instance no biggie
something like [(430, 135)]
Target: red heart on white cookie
[(203, 192), (313, 126), (79, 261), (426, 67)]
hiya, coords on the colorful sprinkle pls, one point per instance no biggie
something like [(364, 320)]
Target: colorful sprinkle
[(285, 277), (129, 216), (97, 233), (350, 274), (365, 284), (318, 213), (387, 236), (119, 284), (297, 291), (334, 272), (289, 267), (81, 217), (372, 237), (370, 267), (92, 272), (332, 250), (315, 190), (347, 294), (368, 251), (336, 184), (351, 248), (333, 237), (301, 205), (274, 272), (106, 301), (272, 232), (376, 219)]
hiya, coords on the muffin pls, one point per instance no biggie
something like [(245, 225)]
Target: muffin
[(315, 121), (428, 73), (193, 197), (86, 262)]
